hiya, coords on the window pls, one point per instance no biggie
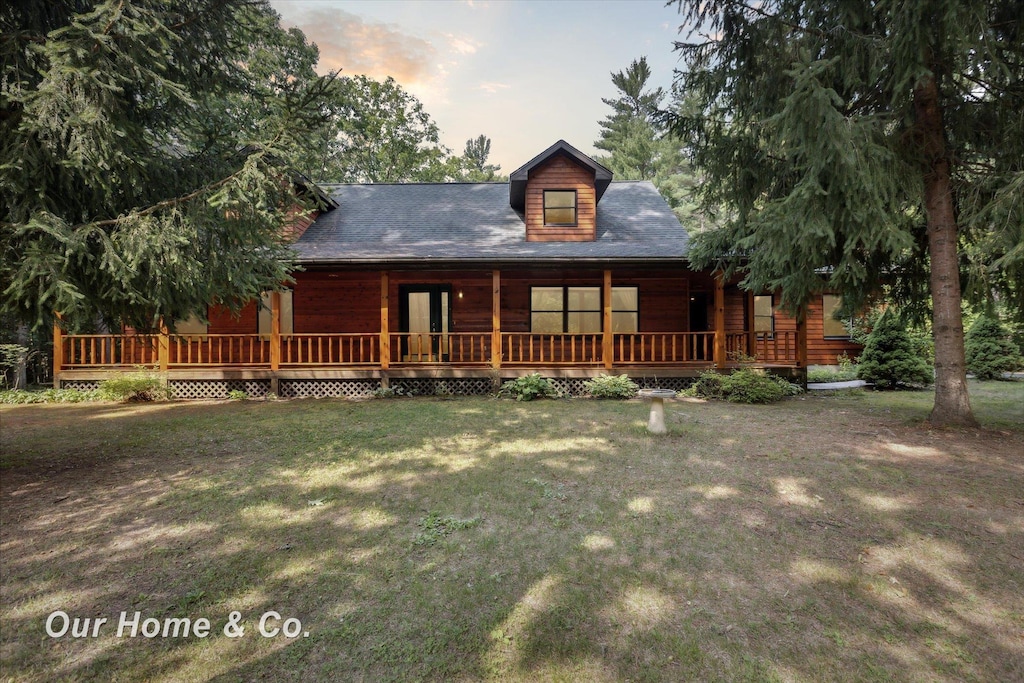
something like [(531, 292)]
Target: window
[(559, 207), (625, 309), (834, 329), (287, 316), (577, 310), (764, 313)]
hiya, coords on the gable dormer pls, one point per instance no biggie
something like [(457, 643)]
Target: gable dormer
[(557, 192)]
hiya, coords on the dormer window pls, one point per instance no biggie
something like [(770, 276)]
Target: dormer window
[(559, 207)]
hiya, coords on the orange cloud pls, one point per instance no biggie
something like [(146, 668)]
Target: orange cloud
[(354, 46)]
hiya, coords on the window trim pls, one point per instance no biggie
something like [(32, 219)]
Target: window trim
[(754, 316), (566, 311), (575, 207)]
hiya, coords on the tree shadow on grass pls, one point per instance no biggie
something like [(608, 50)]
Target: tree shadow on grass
[(599, 552)]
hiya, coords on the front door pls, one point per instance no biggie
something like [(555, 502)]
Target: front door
[(425, 319)]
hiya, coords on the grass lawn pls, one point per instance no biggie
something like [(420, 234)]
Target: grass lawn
[(822, 538)]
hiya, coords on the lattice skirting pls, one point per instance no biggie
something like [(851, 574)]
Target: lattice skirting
[(456, 386), (80, 384), (217, 388), (327, 388)]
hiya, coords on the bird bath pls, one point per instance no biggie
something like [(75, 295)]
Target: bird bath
[(656, 422)]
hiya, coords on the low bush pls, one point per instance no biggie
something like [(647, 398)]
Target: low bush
[(611, 386), (237, 395), (709, 384), (134, 386), (528, 388), (989, 350), (743, 386), (20, 397)]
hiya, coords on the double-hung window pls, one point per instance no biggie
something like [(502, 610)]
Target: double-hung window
[(559, 207), (287, 314), (833, 328), (764, 314)]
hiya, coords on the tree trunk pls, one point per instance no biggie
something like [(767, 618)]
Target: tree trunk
[(21, 369), (952, 404)]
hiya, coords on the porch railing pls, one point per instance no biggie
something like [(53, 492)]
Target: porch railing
[(523, 348), (455, 348), (470, 349), (358, 349), (218, 350), (664, 347), (764, 347), (109, 350)]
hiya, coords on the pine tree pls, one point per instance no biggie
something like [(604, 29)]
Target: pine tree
[(864, 141), (990, 352), (889, 360), (144, 155)]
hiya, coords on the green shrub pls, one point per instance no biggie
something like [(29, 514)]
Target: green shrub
[(989, 350), (237, 395), (611, 386), (20, 397), (748, 386), (134, 386), (709, 384), (742, 386), (890, 360), (528, 388)]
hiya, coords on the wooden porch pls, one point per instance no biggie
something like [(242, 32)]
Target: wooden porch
[(388, 351)]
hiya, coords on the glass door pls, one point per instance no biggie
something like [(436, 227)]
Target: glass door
[(425, 319)]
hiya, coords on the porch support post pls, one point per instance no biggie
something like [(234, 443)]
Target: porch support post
[(58, 350), (275, 331), (496, 319), (608, 340), (751, 346), (163, 347), (385, 337), (720, 321), (801, 337)]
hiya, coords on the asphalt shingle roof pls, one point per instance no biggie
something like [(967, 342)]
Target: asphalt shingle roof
[(474, 222)]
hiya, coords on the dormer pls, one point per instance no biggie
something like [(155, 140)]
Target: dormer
[(557, 191)]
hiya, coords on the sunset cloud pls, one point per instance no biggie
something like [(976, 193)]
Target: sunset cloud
[(494, 87), (353, 45)]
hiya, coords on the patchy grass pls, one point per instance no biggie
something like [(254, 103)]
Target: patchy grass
[(822, 538)]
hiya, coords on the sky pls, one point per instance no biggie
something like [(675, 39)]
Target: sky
[(525, 73)]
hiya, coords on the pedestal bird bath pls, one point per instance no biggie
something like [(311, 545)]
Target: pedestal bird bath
[(656, 422)]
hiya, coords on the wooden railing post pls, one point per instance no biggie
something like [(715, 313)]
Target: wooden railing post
[(58, 350), (385, 338), (608, 339), (801, 337), (496, 320), (275, 330), (163, 347), (720, 321)]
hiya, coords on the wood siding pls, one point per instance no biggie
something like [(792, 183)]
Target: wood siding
[(560, 173)]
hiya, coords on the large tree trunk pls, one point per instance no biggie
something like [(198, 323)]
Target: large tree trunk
[(952, 404)]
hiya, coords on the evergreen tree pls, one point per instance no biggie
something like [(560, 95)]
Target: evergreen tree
[(864, 140), (990, 352), (637, 142), (889, 360), (474, 160), (141, 154)]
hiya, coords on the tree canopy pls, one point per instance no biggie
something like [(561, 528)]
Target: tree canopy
[(144, 151), (382, 134), (858, 143)]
